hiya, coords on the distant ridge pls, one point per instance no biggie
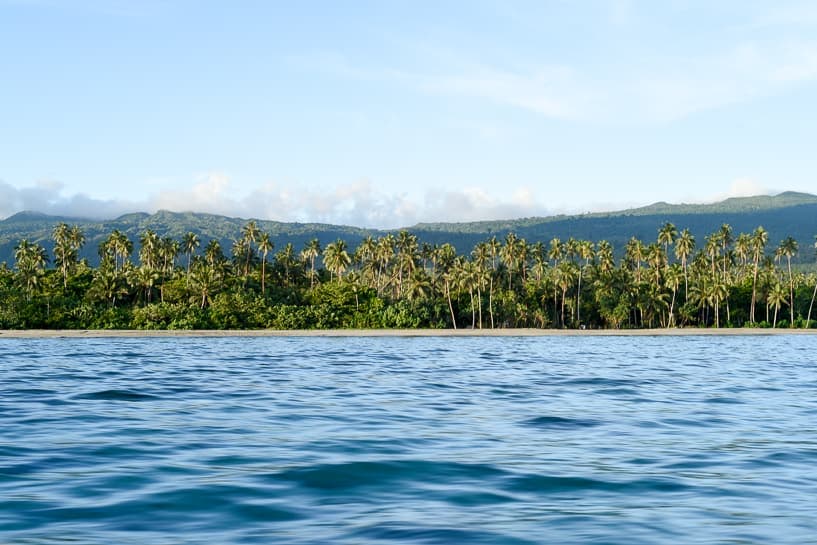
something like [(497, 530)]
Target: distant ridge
[(731, 205), (786, 214)]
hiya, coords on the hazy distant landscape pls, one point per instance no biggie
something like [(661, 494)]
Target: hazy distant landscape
[(786, 214)]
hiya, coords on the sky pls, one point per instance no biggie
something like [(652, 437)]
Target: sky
[(387, 113)]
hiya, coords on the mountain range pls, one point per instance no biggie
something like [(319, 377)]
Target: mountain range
[(786, 214)]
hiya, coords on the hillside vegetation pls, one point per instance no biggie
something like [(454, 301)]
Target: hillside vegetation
[(787, 214), (168, 275)]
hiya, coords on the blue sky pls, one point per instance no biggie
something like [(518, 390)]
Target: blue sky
[(390, 112)]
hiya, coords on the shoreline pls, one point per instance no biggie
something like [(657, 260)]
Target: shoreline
[(528, 332)]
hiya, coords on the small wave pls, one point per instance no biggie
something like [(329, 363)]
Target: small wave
[(724, 400), (397, 532), (117, 395), (353, 475), (549, 484), (560, 422)]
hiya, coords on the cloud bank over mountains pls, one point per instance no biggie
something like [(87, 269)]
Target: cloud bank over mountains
[(361, 203)]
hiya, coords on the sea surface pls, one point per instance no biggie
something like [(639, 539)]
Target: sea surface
[(591, 440)]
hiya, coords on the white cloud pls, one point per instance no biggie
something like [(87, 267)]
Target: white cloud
[(360, 203)]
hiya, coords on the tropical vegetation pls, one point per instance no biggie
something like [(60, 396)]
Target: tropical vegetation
[(396, 280)]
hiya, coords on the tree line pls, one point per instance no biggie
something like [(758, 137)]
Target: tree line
[(395, 281)]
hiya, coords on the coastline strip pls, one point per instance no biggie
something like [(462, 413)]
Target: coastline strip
[(127, 333)]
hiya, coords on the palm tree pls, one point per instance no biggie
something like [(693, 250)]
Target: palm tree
[(205, 279), (776, 298), (190, 242), (759, 240), (481, 255), (508, 254), (584, 250), (407, 248), (726, 240), (149, 250), (788, 248), (419, 285), (108, 285), (63, 250), (563, 275), (311, 251), (813, 295), (31, 260), (336, 258), (265, 246), (634, 255), (666, 236), (213, 253), (385, 254), (494, 247), (672, 279), (684, 246), (249, 234), (144, 278)]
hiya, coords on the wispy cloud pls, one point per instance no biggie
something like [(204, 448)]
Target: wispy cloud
[(652, 84)]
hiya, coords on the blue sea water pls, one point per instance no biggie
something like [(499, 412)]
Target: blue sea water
[(602, 440)]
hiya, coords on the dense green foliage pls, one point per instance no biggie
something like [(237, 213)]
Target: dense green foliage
[(395, 281)]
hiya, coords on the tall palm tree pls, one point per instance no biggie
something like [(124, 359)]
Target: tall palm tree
[(494, 248), (726, 240), (684, 246), (385, 255), (149, 249), (249, 234), (286, 260), (265, 246), (813, 295), (760, 238), (190, 242), (788, 248), (508, 254), (672, 279), (407, 248), (563, 275), (667, 235), (213, 254), (311, 251), (481, 255), (584, 250), (63, 250)]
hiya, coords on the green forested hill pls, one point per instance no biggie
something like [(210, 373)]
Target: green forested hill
[(786, 214)]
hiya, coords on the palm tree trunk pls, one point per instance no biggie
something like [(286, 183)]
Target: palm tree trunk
[(811, 306), (791, 293), (564, 296), (754, 295), (479, 300), (450, 306), (491, 300), (671, 318), (579, 299)]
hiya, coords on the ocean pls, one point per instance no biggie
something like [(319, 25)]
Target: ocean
[(510, 440)]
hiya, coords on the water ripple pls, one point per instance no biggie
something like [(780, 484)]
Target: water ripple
[(400, 440)]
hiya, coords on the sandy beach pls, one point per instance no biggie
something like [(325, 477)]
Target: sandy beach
[(79, 333)]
